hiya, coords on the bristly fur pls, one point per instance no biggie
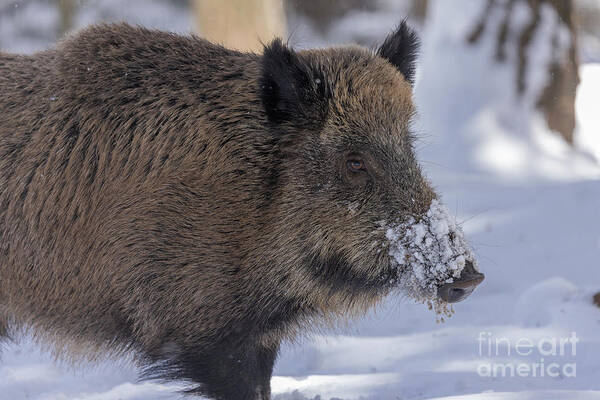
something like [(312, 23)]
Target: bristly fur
[(401, 48), (164, 195)]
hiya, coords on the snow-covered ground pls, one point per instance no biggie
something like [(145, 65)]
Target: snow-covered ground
[(529, 204)]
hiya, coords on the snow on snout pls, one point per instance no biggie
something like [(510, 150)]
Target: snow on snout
[(428, 251)]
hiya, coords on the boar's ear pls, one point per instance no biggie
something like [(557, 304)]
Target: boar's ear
[(292, 90), (401, 48)]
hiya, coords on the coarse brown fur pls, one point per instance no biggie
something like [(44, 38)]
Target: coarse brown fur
[(164, 195)]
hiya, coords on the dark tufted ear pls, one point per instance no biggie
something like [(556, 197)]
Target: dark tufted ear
[(292, 90), (401, 48)]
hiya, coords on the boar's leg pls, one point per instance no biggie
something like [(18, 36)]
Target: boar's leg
[(223, 372), (3, 330), (3, 326), (242, 374)]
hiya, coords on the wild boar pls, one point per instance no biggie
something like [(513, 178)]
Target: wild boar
[(163, 196)]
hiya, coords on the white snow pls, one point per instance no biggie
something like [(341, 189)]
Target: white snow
[(587, 105), (428, 251), (528, 204), (542, 395)]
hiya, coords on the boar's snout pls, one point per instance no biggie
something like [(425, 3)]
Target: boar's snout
[(462, 287)]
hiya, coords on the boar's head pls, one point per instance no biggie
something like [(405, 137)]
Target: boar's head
[(351, 192)]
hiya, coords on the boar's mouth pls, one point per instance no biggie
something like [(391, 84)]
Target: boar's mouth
[(337, 272), (429, 259), (430, 254), (462, 287)]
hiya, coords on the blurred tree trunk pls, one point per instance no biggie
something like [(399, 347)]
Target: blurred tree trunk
[(418, 10), (240, 24), (66, 10), (557, 99), (323, 13)]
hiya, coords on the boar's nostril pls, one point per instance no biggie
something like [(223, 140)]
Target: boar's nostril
[(451, 294), (462, 287), (456, 293)]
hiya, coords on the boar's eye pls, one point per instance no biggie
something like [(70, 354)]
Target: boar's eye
[(355, 165)]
